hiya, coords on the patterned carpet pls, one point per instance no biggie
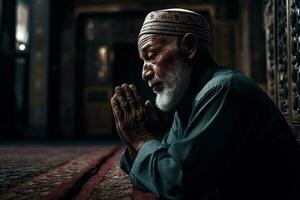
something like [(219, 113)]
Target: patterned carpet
[(72, 172)]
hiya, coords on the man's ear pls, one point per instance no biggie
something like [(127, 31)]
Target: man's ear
[(189, 45)]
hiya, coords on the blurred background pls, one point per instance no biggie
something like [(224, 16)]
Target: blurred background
[(61, 59)]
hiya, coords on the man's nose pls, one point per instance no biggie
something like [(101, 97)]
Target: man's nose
[(148, 72)]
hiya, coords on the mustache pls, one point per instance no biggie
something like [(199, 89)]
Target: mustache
[(154, 82)]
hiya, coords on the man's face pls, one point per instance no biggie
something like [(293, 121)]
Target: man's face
[(164, 69)]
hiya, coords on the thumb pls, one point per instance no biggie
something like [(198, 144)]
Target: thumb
[(149, 105), (150, 108)]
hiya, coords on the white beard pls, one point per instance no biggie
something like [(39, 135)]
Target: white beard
[(175, 84)]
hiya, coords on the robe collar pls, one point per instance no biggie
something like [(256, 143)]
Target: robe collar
[(184, 108)]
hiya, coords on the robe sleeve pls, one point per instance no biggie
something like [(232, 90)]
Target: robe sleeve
[(210, 142)]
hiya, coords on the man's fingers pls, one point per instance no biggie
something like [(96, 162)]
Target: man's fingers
[(116, 108), (133, 88), (130, 97), (117, 112), (122, 99), (134, 91)]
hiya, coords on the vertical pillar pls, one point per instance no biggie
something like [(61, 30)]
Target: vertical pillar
[(245, 38), (38, 73)]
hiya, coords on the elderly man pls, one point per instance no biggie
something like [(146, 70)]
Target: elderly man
[(228, 140)]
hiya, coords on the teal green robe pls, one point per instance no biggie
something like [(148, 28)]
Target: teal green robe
[(228, 141)]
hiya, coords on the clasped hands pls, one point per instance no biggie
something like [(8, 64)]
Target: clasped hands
[(135, 122)]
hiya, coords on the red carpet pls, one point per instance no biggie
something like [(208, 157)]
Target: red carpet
[(79, 172)]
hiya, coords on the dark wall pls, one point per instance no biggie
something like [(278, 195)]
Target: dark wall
[(7, 55)]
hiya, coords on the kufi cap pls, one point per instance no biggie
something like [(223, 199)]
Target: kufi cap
[(176, 22)]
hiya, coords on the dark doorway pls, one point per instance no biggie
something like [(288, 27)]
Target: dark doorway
[(104, 42)]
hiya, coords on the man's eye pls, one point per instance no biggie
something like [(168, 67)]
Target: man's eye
[(152, 57)]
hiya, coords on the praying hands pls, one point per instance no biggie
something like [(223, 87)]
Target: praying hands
[(135, 123)]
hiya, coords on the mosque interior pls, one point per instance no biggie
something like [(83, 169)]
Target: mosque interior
[(61, 60)]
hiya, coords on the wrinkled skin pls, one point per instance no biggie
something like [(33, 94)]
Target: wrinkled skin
[(135, 123)]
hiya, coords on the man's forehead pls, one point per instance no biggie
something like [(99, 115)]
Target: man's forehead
[(148, 40)]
